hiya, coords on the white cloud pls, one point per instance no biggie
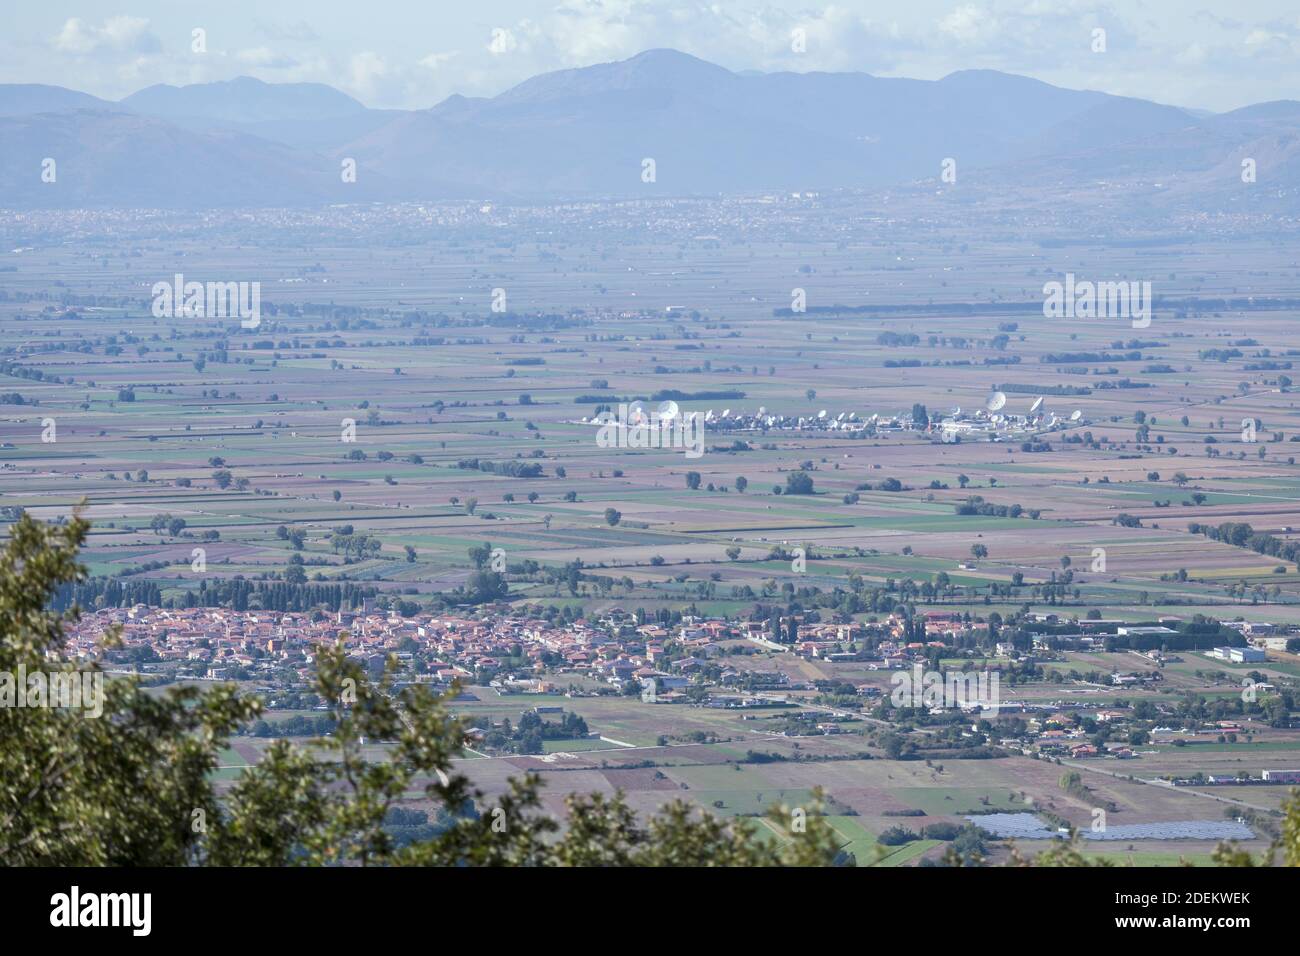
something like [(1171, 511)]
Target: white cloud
[(502, 41), (367, 72), (436, 61), (117, 35), (299, 31), (969, 24), (266, 58)]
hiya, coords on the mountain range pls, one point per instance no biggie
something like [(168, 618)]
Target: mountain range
[(587, 132)]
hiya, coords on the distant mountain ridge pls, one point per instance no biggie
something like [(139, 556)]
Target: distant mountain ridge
[(587, 132), (20, 99), (243, 100)]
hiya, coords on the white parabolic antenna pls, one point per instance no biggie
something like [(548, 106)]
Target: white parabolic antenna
[(762, 409), (1038, 403), (636, 413), (726, 413), (995, 401), (1076, 415), (822, 413), (668, 410)]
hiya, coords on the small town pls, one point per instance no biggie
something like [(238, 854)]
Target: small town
[(829, 678)]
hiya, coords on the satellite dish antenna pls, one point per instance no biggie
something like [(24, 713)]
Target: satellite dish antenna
[(762, 409), (636, 413), (839, 417), (822, 413), (1038, 403), (1076, 415), (668, 410), (726, 413), (956, 410), (996, 401)]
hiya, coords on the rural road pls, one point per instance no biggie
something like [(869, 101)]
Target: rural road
[(1166, 786)]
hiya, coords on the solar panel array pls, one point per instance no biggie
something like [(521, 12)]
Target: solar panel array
[(1026, 826)]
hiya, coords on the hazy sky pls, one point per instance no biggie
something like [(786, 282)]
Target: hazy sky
[(1216, 54)]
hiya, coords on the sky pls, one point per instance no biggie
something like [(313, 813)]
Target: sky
[(1217, 54)]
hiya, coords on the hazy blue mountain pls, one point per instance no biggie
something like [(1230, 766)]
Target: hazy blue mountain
[(309, 116), (586, 132), (121, 159), (21, 99), (243, 100)]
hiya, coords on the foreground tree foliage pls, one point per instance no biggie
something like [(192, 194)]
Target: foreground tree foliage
[(132, 787)]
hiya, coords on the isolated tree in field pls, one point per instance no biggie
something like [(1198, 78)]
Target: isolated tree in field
[(613, 516), (979, 551), (798, 483), (733, 552), (963, 481), (693, 480), (336, 494), (742, 483), (486, 586), (410, 554)]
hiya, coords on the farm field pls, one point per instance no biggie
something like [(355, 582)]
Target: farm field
[(386, 441)]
